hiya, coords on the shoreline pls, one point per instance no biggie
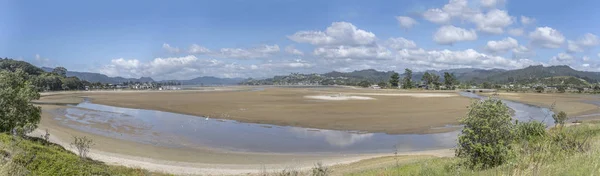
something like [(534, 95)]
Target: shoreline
[(197, 168)]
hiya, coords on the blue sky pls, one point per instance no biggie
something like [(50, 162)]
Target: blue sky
[(242, 38)]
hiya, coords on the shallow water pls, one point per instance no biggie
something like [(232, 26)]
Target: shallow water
[(523, 112), (178, 130)]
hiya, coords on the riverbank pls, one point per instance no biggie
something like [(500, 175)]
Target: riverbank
[(573, 104)]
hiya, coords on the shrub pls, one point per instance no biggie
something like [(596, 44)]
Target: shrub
[(18, 114), (487, 134), (530, 130), (82, 144), (559, 118), (288, 172), (320, 170)]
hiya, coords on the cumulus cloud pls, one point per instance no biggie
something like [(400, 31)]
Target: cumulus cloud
[(197, 49), (400, 43), (354, 52), (492, 22), (586, 41), (437, 16), (573, 47), (561, 59), (463, 58), (522, 52), (546, 37), (290, 49), (170, 49), (526, 20), (502, 46), (339, 33), (585, 58), (491, 3), (406, 22), (516, 31), (447, 35), (251, 53)]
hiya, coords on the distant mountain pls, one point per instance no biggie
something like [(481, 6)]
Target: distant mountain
[(209, 80), (97, 77), (538, 72)]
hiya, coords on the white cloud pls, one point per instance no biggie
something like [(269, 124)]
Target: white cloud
[(585, 58), (457, 8), (584, 42), (41, 61), (251, 53), (456, 59), (588, 40), (437, 16), (406, 22), (491, 3), (522, 52), (516, 31), (339, 33), (546, 37), (400, 43), (492, 22), (169, 48), (573, 47), (447, 35), (290, 49), (197, 49), (358, 52), (561, 59), (502, 46), (526, 20)]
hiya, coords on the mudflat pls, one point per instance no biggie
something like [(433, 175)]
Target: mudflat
[(384, 111)]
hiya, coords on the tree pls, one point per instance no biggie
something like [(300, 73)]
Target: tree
[(364, 84), (60, 71), (394, 80), (435, 79), (561, 89), (485, 139), (559, 119), (486, 85), (382, 84), (539, 89), (82, 145), (427, 78), (407, 81), (16, 113), (449, 80)]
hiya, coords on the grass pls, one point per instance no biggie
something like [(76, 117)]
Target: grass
[(557, 153), (34, 156)]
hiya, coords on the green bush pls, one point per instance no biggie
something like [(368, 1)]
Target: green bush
[(530, 130), (487, 134), (320, 170), (559, 119)]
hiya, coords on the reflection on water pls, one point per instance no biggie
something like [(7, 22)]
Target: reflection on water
[(182, 131), (523, 112), (178, 130)]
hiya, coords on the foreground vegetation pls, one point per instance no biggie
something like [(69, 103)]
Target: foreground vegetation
[(35, 156)]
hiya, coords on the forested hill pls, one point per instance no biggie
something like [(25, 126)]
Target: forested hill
[(97, 77), (529, 74), (533, 73)]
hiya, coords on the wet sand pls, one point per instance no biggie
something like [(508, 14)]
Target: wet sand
[(288, 107), (389, 116)]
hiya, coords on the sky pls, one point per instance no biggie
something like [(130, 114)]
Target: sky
[(262, 38)]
